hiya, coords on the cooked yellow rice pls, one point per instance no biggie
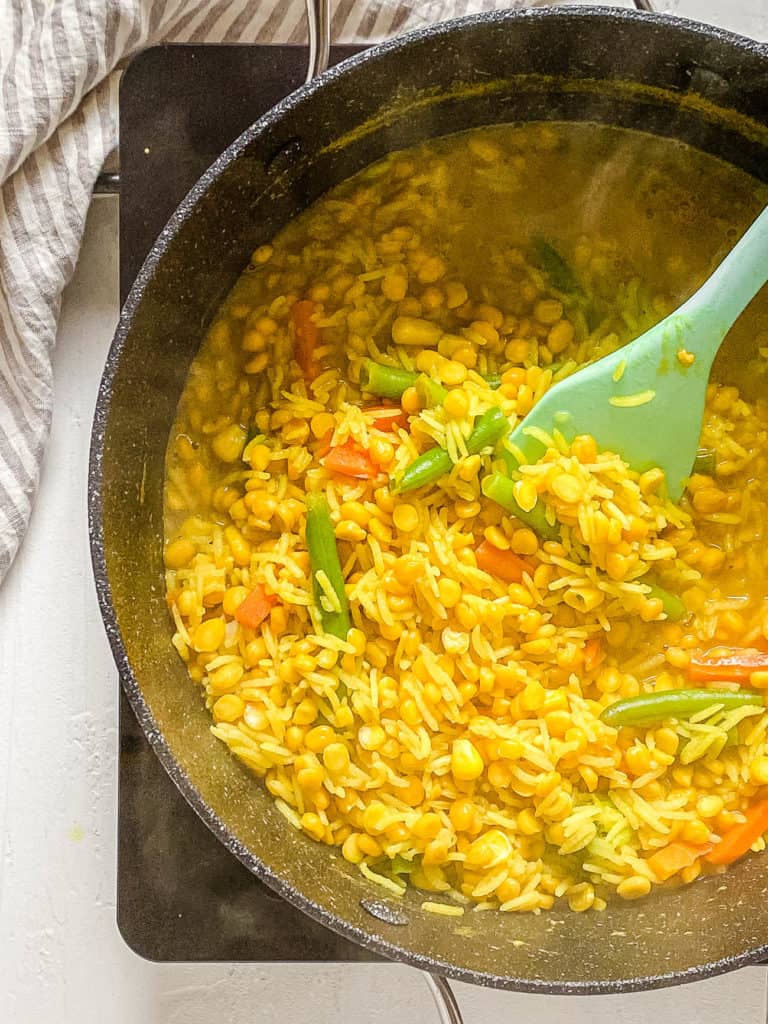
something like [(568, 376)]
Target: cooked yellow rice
[(453, 741)]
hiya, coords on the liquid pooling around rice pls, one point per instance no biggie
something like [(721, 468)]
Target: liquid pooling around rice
[(432, 697)]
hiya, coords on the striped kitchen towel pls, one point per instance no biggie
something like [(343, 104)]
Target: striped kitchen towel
[(59, 67)]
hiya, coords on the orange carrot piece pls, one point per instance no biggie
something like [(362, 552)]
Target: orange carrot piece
[(306, 335), (505, 565), (593, 653), (387, 417), (667, 861), (255, 608), (350, 460), (738, 840), (735, 667)]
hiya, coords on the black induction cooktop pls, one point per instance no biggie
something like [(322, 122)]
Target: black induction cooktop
[(180, 894)]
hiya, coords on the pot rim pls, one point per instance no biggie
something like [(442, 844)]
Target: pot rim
[(389, 950)]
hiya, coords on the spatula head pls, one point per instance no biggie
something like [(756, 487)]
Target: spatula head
[(645, 402)]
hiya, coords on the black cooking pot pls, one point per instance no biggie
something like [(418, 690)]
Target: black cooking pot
[(675, 78)]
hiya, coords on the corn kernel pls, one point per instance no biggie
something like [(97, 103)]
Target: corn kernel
[(634, 887), (463, 814), (278, 619), (488, 850), (371, 737), (336, 758), (347, 530), (409, 712), (466, 761), (394, 285), (310, 779), (317, 739), (508, 890), (667, 740), (525, 494), (527, 823), (228, 708), (482, 331), (709, 499), (327, 658), (567, 488), (524, 542), (651, 480), (548, 311), (410, 330), (226, 678), (427, 826), (209, 635), (357, 638), (455, 294), (581, 897), (456, 404), (356, 512), (499, 775), (233, 598), (758, 771), (368, 846), (381, 451), (532, 697), (466, 615), (350, 849), (380, 531), (709, 806), (496, 537), (695, 831), (466, 509), (759, 679), (228, 444), (238, 545), (312, 825), (558, 723), (377, 818), (560, 336), (179, 553), (405, 517), (410, 401), (449, 591)]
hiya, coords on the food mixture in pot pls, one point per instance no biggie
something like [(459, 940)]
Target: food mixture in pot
[(504, 685)]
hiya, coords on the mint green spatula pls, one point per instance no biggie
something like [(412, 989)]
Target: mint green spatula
[(646, 401)]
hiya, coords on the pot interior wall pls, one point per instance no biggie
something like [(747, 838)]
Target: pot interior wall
[(658, 75)]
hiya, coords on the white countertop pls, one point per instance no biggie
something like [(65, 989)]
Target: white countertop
[(62, 960)]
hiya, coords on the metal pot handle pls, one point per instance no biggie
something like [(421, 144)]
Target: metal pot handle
[(445, 1000), (319, 26)]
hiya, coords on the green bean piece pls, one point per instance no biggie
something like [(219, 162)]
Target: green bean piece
[(647, 708), (391, 381), (501, 489), (705, 462), (429, 391), (426, 469), (674, 608), (385, 381), (488, 431), (555, 267), (435, 463), (324, 557)]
